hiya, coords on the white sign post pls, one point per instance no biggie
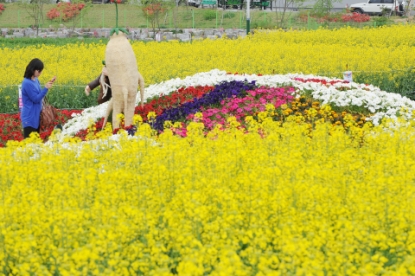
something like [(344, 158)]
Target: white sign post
[(20, 97)]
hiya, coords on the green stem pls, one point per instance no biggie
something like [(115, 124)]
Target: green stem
[(117, 29), (116, 14)]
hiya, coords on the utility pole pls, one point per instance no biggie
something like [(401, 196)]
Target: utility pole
[(248, 17)]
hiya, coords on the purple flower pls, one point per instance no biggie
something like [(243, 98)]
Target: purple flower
[(220, 92)]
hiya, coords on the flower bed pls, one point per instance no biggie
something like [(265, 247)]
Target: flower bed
[(219, 95), (214, 97), (239, 96)]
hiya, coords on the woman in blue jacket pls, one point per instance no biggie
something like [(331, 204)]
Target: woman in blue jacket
[(32, 96)]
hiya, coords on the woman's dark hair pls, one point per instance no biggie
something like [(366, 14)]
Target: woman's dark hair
[(34, 64)]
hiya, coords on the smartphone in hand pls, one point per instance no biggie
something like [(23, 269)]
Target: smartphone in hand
[(53, 79)]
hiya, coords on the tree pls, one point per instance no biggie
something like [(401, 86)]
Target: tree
[(35, 11), (70, 11), (154, 11), (323, 7), (408, 8), (285, 4)]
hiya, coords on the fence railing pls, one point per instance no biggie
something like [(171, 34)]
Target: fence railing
[(189, 17)]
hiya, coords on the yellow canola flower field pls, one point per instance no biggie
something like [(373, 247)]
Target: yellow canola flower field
[(379, 52), (229, 204)]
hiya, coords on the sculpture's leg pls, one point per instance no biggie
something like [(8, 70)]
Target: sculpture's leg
[(130, 108), (125, 98), (117, 109), (107, 113), (141, 85)]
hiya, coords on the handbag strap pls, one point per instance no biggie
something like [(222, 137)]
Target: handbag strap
[(45, 100)]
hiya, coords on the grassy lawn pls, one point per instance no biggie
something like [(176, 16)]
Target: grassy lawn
[(103, 16)]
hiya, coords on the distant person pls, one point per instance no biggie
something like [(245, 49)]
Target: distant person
[(158, 36), (32, 96), (105, 92), (401, 8), (103, 81)]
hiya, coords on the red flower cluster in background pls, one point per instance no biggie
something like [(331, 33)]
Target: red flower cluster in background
[(348, 17), (1, 8), (320, 19), (355, 17), (155, 8), (65, 11), (117, 1)]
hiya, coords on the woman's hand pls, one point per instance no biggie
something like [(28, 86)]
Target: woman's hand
[(49, 84), (104, 71), (87, 90)]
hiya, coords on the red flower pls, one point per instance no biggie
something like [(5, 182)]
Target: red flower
[(151, 9), (118, 1), (177, 98)]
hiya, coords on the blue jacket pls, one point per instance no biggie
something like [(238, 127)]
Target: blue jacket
[(32, 96)]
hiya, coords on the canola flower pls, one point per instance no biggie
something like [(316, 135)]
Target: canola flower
[(371, 53), (233, 203), (283, 201), (287, 201)]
